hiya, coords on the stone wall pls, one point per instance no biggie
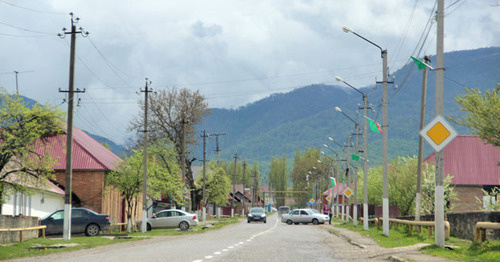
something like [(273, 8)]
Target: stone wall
[(462, 223), (17, 222)]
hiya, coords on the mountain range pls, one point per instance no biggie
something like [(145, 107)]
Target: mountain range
[(283, 123)]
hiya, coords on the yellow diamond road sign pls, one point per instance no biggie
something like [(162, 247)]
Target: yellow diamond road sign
[(438, 133), (347, 192)]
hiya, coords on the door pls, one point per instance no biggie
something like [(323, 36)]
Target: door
[(160, 220), (79, 220), (54, 223)]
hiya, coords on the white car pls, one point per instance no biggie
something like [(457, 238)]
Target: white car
[(304, 216), (172, 218)]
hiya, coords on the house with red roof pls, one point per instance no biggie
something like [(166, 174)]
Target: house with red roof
[(91, 162), (474, 166)]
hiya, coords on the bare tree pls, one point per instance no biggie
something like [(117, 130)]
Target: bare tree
[(174, 114)]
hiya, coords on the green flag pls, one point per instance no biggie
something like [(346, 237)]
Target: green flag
[(420, 65), (333, 180), (343, 180), (355, 157), (374, 126)]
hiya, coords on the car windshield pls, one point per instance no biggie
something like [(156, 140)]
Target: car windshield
[(257, 210)]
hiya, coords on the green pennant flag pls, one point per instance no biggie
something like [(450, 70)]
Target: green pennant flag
[(374, 126), (343, 180), (333, 180), (355, 157), (420, 65)]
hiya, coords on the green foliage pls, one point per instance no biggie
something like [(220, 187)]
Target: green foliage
[(163, 175), (278, 179), (493, 198), (484, 113), (307, 172), (217, 184), (24, 148), (402, 175)]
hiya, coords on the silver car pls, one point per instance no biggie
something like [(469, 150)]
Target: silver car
[(172, 218), (304, 216)]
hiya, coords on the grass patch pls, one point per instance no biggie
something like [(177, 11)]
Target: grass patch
[(24, 249), (466, 250), (462, 249)]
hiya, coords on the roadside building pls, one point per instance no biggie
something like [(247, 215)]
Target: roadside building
[(475, 168)]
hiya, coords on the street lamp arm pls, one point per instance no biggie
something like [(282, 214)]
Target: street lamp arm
[(337, 143), (349, 118), (343, 81), (349, 30)]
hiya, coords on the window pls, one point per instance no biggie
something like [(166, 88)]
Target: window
[(58, 215), (303, 212)]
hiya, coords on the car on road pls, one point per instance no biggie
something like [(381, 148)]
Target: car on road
[(82, 221), (172, 218), (304, 216), (257, 214)]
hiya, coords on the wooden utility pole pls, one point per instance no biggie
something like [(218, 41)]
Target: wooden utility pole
[(243, 200), (234, 180), (69, 127), (421, 143), (145, 160), (217, 150)]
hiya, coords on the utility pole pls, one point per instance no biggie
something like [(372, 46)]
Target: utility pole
[(254, 188), (234, 181), (243, 200), (439, 193), (69, 127), (421, 142), (203, 202), (145, 160), (217, 150), (355, 206), (183, 149), (365, 164), (348, 158)]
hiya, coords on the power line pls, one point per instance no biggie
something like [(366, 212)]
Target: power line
[(25, 29), (33, 10)]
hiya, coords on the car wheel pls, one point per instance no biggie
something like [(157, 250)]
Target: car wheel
[(248, 221), (296, 223), (265, 221), (315, 221), (92, 230), (184, 225), (289, 222), (148, 227)]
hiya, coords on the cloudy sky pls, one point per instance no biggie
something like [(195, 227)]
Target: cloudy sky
[(234, 52)]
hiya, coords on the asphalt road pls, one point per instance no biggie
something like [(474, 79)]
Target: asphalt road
[(273, 241)]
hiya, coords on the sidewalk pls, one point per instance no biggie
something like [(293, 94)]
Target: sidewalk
[(373, 251)]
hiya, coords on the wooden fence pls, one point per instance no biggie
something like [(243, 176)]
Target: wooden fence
[(21, 229), (418, 225), (480, 230)]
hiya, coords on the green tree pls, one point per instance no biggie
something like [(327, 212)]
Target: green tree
[(217, 184), (24, 147), (308, 174), (484, 113), (402, 186), (163, 176), (278, 179)]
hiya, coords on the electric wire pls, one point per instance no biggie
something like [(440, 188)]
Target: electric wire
[(33, 10), (26, 30)]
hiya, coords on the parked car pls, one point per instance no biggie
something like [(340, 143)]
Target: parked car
[(256, 214), (304, 216), (82, 221), (172, 218)]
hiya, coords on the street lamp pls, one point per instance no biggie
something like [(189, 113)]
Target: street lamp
[(355, 209), (365, 153), (385, 196)]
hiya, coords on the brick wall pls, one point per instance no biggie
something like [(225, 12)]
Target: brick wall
[(467, 198), (88, 186)]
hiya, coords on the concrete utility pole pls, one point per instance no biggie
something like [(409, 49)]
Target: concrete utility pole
[(355, 206), (254, 187), (203, 202), (439, 194), (183, 151), (385, 194), (69, 127), (145, 161), (421, 143), (234, 182), (217, 150)]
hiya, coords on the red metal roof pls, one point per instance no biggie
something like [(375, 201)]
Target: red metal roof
[(470, 161), (88, 154)]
